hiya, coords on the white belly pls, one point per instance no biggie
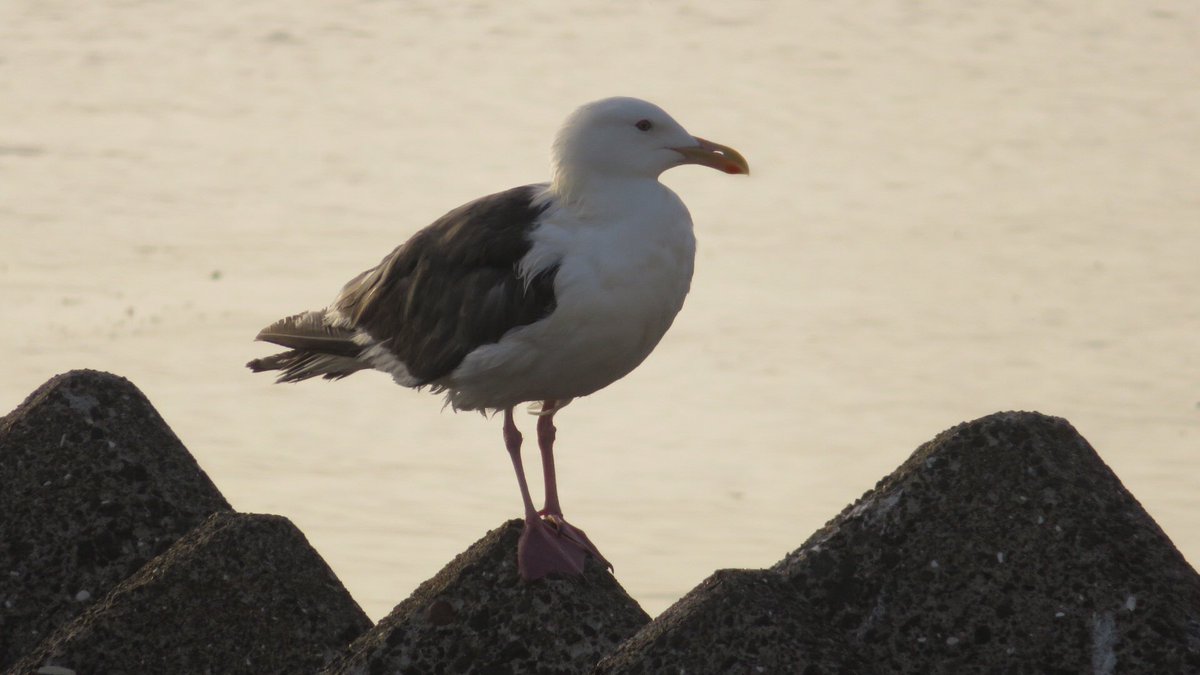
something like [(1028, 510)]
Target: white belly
[(618, 288)]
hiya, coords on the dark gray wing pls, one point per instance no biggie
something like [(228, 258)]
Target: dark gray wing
[(453, 286)]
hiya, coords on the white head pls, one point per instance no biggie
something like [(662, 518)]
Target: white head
[(625, 137)]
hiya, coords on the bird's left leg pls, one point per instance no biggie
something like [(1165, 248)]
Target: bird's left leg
[(552, 511), (546, 432), (541, 550)]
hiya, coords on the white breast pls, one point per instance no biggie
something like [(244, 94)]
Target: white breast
[(621, 280)]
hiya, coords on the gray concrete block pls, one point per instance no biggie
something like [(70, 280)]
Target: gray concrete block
[(477, 616), (242, 593), (93, 483)]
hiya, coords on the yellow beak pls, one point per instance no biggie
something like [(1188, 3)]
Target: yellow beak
[(714, 155)]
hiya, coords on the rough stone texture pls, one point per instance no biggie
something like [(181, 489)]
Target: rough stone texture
[(736, 622), (1005, 545), (477, 616), (242, 593), (92, 485)]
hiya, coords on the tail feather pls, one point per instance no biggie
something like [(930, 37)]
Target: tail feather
[(309, 331), (296, 365), (315, 348)]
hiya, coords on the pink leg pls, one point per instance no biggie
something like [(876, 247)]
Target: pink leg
[(545, 434), (512, 441), (541, 550), (552, 511)]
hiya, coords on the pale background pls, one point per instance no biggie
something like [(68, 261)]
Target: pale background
[(956, 208)]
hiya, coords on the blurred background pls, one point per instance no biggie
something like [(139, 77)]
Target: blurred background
[(956, 208)]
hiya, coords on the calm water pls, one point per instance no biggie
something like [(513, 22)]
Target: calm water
[(955, 210)]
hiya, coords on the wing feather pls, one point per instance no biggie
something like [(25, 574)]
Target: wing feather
[(453, 286)]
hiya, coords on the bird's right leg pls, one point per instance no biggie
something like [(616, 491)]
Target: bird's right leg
[(540, 550), (512, 441)]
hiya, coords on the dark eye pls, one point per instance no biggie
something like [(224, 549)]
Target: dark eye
[(644, 125)]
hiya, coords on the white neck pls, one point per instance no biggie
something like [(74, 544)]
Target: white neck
[(604, 195)]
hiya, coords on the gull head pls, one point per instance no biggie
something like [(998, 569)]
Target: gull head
[(624, 137)]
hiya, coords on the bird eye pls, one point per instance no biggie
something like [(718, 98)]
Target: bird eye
[(644, 125)]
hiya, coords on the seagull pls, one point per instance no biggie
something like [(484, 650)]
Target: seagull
[(539, 294)]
